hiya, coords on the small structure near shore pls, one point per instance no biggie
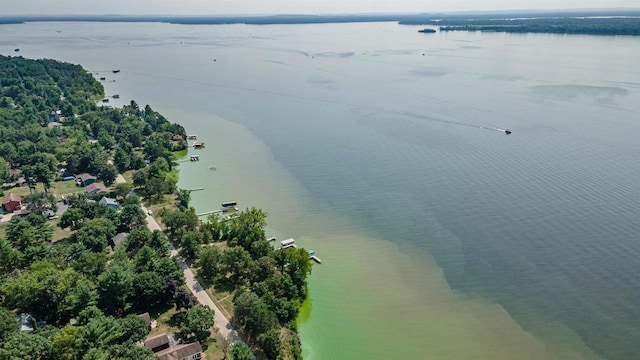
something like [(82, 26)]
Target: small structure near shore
[(194, 158), (198, 145)]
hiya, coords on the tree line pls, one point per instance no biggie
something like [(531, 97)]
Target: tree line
[(85, 288)]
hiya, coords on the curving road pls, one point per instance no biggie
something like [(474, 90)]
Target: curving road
[(220, 321)]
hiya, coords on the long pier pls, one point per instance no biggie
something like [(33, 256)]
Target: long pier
[(209, 212)]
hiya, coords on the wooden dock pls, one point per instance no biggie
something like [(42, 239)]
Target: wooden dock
[(273, 238), (316, 259), (197, 189), (209, 212)]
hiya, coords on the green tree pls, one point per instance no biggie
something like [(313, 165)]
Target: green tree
[(209, 263), (25, 347), (190, 243), (236, 262), (115, 285), (121, 190), (91, 264), (184, 196), (134, 329), (149, 288), (252, 313), (299, 266), (32, 230), (72, 218), (270, 343), (198, 321), (39, 203), (8, 323), (10, 258), (179, 220), (63, 345), (240, 351), (131, 216), (95, 233), (247, 231)]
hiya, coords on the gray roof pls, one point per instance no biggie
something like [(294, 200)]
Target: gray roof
[(120, 237), (180, 352), (157, 341), (85, 176), (108, 201)]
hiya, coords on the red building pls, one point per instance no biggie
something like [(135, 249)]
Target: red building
[(12, 202)]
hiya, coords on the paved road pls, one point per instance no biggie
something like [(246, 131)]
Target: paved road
[(221, 322)]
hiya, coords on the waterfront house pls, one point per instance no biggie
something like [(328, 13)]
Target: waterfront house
[(12, 202)]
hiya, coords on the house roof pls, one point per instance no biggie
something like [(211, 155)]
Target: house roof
[(146, 317), (85, 177), (109, 201), (120, 237), (180, 352), (156, 341), (96, 188), (11, 197)]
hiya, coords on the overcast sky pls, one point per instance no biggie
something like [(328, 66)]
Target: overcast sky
[(205, 7)]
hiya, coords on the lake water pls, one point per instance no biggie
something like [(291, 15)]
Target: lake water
[(383, 150)]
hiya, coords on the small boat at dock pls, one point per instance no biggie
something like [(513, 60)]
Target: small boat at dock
[(194, 157), (507, 131), (288, 243), (198, 145), (116, 96), (116, 71)]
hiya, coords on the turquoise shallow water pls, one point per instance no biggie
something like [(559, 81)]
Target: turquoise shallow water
[(380, 149)]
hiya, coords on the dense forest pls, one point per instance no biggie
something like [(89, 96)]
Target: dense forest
[(587, 26), (81, 290)]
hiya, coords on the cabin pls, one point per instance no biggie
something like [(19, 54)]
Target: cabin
[(95, 188), (85, 179), (11, 202), (288, 243), (109, 202), (157, 343), (192, 351)]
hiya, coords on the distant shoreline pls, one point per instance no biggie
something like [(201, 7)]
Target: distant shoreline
[(586, 22)]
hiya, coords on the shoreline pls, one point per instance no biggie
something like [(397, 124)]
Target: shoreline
[(349, 260)]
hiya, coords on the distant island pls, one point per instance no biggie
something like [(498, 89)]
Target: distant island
[(585, 26), (588, 22), (427, 31)]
